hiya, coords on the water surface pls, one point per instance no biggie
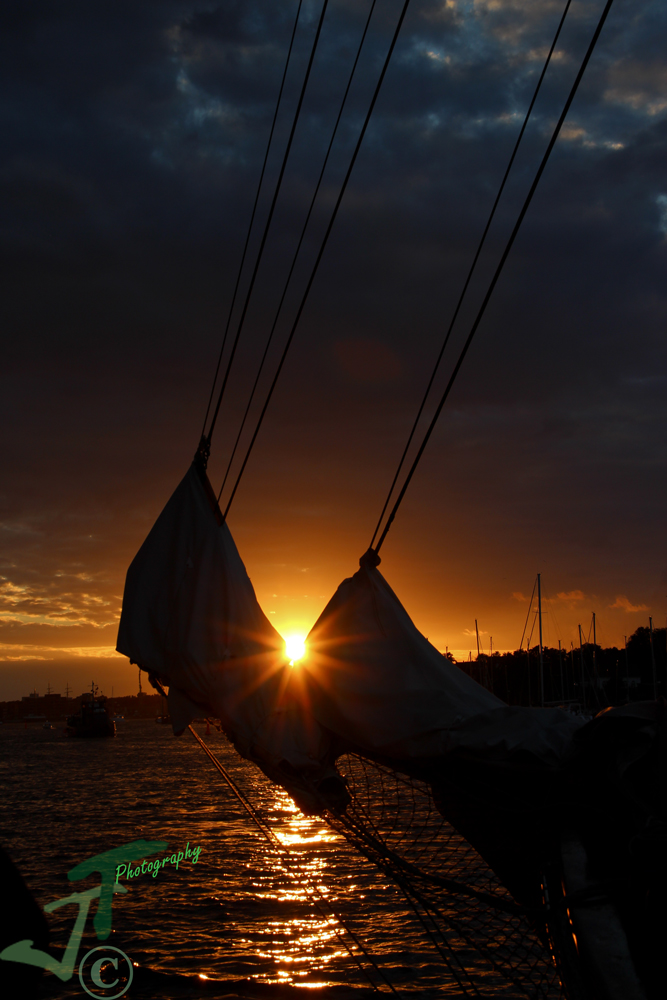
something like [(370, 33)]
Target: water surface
[(245, 919)]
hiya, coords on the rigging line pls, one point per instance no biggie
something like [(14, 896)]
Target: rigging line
[(268, 222), (528, 615), (351, 831), (282, 851), (498, 271), (252, 218), (280, 848), (349, 827), (296, 252), (451, 885), (472, 267), (320, 252)]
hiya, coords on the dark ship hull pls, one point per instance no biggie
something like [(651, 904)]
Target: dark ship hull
[(582, 847)]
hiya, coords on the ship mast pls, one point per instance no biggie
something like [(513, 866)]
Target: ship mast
[(581, 648), (655, 681), (539, 615)]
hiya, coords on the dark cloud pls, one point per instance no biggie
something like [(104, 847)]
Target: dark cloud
[(133, 137)]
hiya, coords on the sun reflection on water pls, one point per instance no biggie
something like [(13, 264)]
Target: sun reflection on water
[(304, 944)]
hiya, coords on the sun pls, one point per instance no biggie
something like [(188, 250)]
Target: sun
[(295, 647)]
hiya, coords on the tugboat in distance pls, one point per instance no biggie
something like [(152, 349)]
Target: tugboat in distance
[(93, 719)]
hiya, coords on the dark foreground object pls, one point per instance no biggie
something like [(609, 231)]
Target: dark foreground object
[(582, 846), (20, 918)]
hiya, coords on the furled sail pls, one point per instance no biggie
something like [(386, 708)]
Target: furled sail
[(374, 681), (371, 682), (378, 684), (190, 617)]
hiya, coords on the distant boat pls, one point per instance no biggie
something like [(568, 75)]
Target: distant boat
[(93, 720)]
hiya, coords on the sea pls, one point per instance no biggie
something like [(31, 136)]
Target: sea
[(244, 919)]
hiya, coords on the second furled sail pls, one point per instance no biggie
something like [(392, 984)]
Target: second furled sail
[(379, 685)]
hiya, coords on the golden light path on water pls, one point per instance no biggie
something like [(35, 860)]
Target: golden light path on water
[(299, 945), (247, 910)]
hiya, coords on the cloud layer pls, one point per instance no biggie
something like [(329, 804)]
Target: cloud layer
[(134, 135)]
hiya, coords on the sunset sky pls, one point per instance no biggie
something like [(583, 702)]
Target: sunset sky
[(133, 137)]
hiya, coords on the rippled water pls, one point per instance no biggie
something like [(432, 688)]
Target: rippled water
[(244, 914)]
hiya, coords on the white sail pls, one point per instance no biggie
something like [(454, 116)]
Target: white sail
[(190, 616), (379, 685), (370, 682)]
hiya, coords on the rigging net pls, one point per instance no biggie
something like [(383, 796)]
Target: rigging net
[(470, 917), (489, 946)]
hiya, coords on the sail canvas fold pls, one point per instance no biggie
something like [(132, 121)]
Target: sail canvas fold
[(377, 682), (190, 616), (370, 682), (380, 686)]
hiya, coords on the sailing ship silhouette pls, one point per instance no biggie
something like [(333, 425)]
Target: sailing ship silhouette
[(567, 816)]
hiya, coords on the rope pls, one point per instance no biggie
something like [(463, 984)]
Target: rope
[(267, 224), (351, 831), (434, 917), (472, 268), (283, 852), (296, 252), (510, 947), (320, 253), (375, 851), (451, 885), (252, 217), (501, 264)]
